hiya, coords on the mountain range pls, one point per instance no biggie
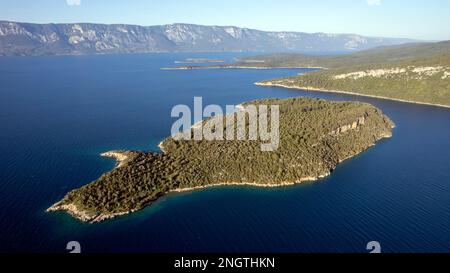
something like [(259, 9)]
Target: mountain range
[(25, 39)]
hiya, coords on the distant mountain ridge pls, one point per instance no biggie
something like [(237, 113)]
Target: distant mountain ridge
[(84, 38)]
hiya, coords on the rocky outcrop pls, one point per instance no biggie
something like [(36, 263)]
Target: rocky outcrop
[(122, 157), (352, 126)]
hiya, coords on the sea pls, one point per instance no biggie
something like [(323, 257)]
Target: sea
[(58, 113)]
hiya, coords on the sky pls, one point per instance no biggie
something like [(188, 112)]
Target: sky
[(417, 19)]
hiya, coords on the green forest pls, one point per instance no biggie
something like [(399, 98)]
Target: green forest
[(315, 135), (414, 83), (431, 86)]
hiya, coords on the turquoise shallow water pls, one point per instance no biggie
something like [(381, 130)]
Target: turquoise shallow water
[(58, 113)]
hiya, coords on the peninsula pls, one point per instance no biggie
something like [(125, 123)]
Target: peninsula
[(236, 66), (315, 136)]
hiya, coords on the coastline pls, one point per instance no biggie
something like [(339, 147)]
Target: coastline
[(82, 215), (239, 67), (199, 61), (124, 156), (121, 157), (250, 184), (315, 89)]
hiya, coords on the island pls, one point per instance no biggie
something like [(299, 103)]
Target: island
[(314, 137)]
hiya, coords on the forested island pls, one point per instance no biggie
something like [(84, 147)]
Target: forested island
[(315, 136)]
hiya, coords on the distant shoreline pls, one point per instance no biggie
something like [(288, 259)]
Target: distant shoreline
[(238, 67), (309, 88), (199, 60)]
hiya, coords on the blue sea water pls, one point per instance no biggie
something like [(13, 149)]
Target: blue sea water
[(58, 113)]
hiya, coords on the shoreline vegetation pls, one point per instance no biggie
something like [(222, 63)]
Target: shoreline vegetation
[(124, 156), (315, 136), (315, 89)]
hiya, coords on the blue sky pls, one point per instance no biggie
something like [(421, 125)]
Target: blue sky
[(420, 19)]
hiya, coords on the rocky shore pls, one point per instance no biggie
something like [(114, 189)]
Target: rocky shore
[(83, 215)]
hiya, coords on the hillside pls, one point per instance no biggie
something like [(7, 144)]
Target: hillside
[(71, 39), (413, 73)]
